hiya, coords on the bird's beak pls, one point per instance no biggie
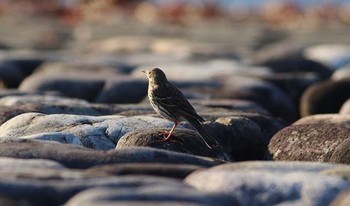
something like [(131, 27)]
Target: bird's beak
[(144, 71)]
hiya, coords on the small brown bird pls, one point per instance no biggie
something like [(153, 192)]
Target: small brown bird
[(172, 105)]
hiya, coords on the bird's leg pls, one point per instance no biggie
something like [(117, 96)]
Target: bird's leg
[(170, 132)]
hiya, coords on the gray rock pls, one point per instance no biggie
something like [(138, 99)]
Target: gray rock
[(325, 97), (285, 183), (309, 142), (237, 105), (62, 105), (157, 195), (343, 199), (345, 108), (102, 132), (324, 119), (332, 55), (288, 58), (80, 157), (57, 189), (122, 90), (183, 140), (14, 163), (103, 88), (266, 94), (342, 73), (178, 171), (73, 85)]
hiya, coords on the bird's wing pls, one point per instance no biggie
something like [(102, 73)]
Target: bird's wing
[(176, 102)]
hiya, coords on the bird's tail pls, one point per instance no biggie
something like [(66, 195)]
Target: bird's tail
[(208, 140)]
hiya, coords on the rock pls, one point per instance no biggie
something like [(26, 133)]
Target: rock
[(332, 55), (207, 71), (309, 142), (123, 90), (293, 84), (324, 119), (156, 194), (288, 58), (53, 190), (8, 112), (253, 183), (57, 105), (183, 140), (102, 132), (343, 199), (268, 125), (341, 152), (276, 101), (342, 73), (324, 97), (79, 157), (231, 104), (345, 108), (75, 86), (10, 74), (179, 171), (239, 136), (102, 88), (28, 164)]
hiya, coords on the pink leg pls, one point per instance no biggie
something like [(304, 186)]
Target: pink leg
[(171, 131)]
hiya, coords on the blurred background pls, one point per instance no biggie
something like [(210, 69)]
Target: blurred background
[(242, 26)]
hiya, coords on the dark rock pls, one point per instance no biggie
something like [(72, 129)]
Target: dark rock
[(266, 94), (57, 189), (309, 142), (325, 97), (80, 157), (183, 140), (10, 74), (76, 86), (122, 91), (154, 169), (288, 58), (239, 136), (231, 104)]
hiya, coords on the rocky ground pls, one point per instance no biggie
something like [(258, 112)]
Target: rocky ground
[(77, 127)]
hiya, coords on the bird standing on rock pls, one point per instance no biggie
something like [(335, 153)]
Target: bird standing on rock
[(172, 105)]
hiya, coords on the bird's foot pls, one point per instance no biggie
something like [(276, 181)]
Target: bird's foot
[(167, 137)]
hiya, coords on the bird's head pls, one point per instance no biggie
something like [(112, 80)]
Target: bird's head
[(155, 75)]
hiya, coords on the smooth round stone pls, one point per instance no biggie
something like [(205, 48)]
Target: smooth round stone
[(342, 73), (325, 97), (324, 119), (101, 132), (270, 187), (79, 157), (345, 108), (183, 140), (178, 171), (310, 142), (156, 195), (332, 55)]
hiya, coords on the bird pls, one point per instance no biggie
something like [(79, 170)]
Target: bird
[(171, 104)]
